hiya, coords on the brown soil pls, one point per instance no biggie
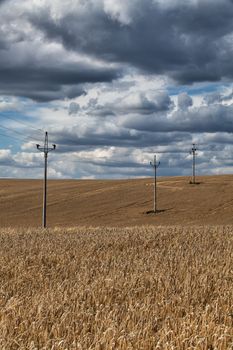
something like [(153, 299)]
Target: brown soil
[(118, 202)]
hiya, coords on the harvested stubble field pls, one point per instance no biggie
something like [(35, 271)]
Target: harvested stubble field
[(118, 202), (127, 288)]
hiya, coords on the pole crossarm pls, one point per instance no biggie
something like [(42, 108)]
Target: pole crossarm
[(46, 149), (155, 164), (42, 149), (194, 149)]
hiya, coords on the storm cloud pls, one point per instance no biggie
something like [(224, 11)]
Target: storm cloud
[(114, 82), (49, 83), (189, 42), (204, 119)]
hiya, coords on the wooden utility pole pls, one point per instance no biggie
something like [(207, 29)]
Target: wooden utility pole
[(45, 149), (193, 152), (155, 165)]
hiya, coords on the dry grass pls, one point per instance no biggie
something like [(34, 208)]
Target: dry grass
[(132, 288)]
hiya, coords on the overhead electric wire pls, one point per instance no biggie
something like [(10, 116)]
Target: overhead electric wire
[(22, 122), (13, 137), (18, 138), (17, 132), (24, 138)]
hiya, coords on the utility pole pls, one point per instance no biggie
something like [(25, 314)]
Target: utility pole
[(45, 149), (155, 165), (193, 152)]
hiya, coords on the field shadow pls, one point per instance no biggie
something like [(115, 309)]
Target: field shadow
[(195, 183), (158, 211)]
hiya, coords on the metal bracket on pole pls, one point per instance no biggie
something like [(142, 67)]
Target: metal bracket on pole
[(45, 149), (155, 165)]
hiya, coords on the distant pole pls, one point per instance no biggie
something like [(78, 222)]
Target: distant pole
[(193, 152), (155, 165), (45, 149)]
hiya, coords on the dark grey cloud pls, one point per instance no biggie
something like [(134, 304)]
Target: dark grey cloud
[(129, 167), (73, 108), (212, 98), (46, 83), (184, 101), (137, 103), (217, 97), (219, 139), (210, 119), (119, 164), (42, 71), (70, 140), (189, 41), (7, 162), (52, 52), (160, 103)]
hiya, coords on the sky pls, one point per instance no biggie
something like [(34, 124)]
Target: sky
[(115, 82)]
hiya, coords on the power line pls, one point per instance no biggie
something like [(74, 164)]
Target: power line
[(12, 130), (14, 137), (21, 122), (9, 136), (17, 132)]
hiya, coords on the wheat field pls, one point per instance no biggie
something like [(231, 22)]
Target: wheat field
[(124, 288)]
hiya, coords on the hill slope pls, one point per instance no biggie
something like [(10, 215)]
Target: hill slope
[(118, 202)]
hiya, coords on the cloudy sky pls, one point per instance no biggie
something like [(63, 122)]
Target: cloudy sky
[(115, 82)]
